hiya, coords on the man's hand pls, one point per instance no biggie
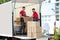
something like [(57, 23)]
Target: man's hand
[(31, 16)]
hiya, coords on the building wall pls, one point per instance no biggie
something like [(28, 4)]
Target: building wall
[(58, 14), (48, 16)]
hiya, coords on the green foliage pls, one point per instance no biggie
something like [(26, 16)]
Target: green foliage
[(59, 31), (56, 35), (3, 1)]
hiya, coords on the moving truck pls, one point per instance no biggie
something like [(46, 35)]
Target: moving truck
[(7, 17), (9, 11)]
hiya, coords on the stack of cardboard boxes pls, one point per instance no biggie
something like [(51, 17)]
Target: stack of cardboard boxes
[(33, 29)]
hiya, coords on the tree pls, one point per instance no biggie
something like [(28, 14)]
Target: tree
[(3, 1), (56, 34)]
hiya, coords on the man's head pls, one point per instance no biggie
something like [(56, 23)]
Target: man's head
[(23, 7), (33, 9)]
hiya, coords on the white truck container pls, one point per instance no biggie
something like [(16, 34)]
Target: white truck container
[(6, 19)]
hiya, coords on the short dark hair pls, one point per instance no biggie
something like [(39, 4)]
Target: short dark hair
[(23, 7), (33, 8)]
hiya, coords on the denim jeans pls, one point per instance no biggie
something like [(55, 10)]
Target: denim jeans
[(22, 27)]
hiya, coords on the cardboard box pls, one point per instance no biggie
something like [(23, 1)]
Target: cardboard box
[(26, 19), (17, 21), (33, 29)]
